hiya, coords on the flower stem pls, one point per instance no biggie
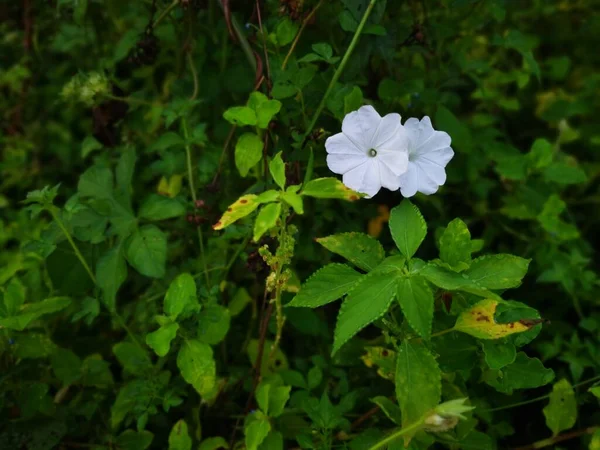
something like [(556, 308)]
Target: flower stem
[(340, 68), (61, 225), (392, 437)]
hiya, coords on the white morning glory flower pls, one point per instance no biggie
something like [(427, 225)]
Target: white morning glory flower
[(428, 153), (371, 152)]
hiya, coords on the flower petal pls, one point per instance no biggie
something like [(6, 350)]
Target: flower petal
[(343, 155), (395, 160), (416, 179), (387, 132), (340, 144), (389, 179), (360, 126), (364, 178)]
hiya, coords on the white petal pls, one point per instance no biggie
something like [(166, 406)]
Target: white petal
[(409, 181), (360, 126), (389, 179), (364, 178), (343, 155), (340, 144), (418, 180), (396, 161), (387, 131)]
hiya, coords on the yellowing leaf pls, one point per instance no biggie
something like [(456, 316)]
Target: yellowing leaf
[(170, 187), (330, 188), (382, 357), (479, 321), (241, 208)]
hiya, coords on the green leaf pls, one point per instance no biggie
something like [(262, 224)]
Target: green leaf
[(416, 299), (266, 219), (524, 373), (326, 285), (243, 206), (277, 169), (550, 220), (111, 273), (389, 408), (32, 311), (408, 228), (160, 340), (446, 121), (256, 430), (13, 298), (158, 207), (561, 411), (562, 173), (368, 301), (134, 440), (272, 397), (181, 296), (360, 249), (447, 279), (124, 175), (213, 324), (213, 443), (479, 321), (197, 365), (133, 359), (179, 438), (498, 354), (455, 245), (418, 382), (286, 31), (330, 188), (66, 365), (146, 251), (315, 377), (264, 108), (248, 152), (541, 154), (273, 441), (96, 182), (294, 200), (240, 115), (498, 271), (353, 100)]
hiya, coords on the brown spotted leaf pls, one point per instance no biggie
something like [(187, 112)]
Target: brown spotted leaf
[(478, 321), (243, 206), (383, 358), (330, 188)]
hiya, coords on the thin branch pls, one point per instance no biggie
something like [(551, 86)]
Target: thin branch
[(305, 22), (560, 438)]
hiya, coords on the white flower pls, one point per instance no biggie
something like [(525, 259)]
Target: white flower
[(428, 153), (370, 152)]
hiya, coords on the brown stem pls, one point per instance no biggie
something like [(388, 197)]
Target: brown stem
[(297, 38), (560, 438), (264, 42), (365, 417), (223, 153)]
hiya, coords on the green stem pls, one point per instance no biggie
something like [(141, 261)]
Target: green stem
[(341, 67), (398, 434), (164, 14), (61, 225), (441, 333), (232, 260), (188, 152), (194, 76), (242, 39), (128, 330)]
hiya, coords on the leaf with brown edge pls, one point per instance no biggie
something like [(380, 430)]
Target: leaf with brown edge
[(243, 206), (478, 321), (330, 188)]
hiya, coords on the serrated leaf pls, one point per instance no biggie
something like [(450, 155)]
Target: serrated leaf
[(277, 170), (266, 219), (243, 206), (367, 302), (447, 279), (498, 271), (325, 286), (330, 188), (479, 321), (455, 245), (179, 438), (181, 296), (408, 228), (248, 152), (160, 340), (561, 411), (147, 251), (360, 249), (389, 408), (159, 207), (197, 365), (524, 373), (416, 300), (418, 382)]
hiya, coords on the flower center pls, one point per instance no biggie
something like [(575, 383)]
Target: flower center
[(372, 153)]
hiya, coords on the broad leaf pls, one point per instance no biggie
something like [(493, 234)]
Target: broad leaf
[(561, 412), (277, 170), (256, 430), (416, 299), (243, 206), (159, 207), (326, 285), (111, 273), (248, 152), (181, 296), (479, 321), (498, 354), (360, 249), (197, 365), (524, 373), (160, 340), (408, 228), (66, 365), (455, 245), (330, 188), (134, 359), (266, 219), (179, 438), (147, 251), (31, 311), (134, 440), (240, 115), (453, 281), (389, 408), (213, 443), (498, 271), (213, 324), (367, 302)]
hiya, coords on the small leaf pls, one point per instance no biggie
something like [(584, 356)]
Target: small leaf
[(66, 365), (447, 279), (326, 285), (266, 111), (266, 219), (181, 296), (248, 152), (360, 249), (315, 377), (524, 373), (416, 300), (268, 196), (479, 321), (240, 115), (455, 245), (498, 271), (158, 207), (367, 302), (277, 169), (389, 408), (294, 200), (134, 440), (146, 251), (213, 324), (213, 443), (498, 354), (256, 431), (561, 411), (418, 383), (408, 228), (179, 438), (243, 206), (32, 311), (160, 340), (197, 365), (111, 273), (330, 188)]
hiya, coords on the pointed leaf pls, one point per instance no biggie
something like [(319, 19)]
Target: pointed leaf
[(277, 169), (561, 412), (160, 340), (197, 365), (147, 251), (181, 296), (389, 408), (111, 273), (248, 152), (455, 245), (179, 438), (159, 207), (408, 228), (330, 188), (240, 115), (416, 299), (266, 219), (524, 373), (360, 249), (453, 281), (479, 321), (243, 206), (367, 302), (498, 271), (326, 285)]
